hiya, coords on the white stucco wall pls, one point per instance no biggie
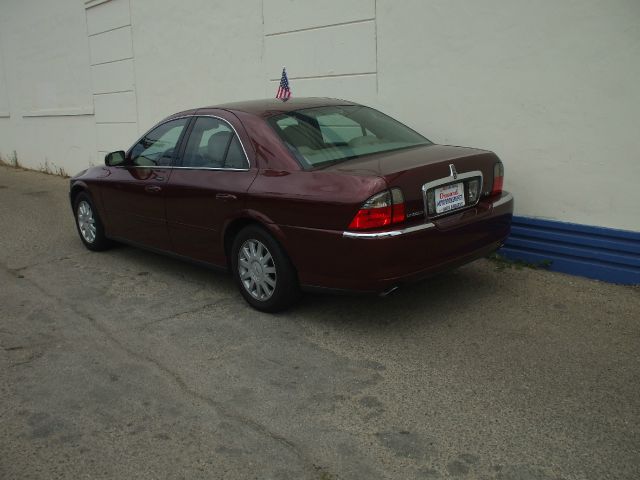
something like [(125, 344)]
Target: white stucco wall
[(45, 96), (550, 86), (196, 53)]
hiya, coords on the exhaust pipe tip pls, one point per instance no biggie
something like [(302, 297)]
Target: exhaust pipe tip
[(389, 291)]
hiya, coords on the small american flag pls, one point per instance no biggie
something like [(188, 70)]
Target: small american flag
[(284, 92)]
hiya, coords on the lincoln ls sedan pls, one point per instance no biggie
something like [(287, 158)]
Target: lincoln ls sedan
[(300, 195)]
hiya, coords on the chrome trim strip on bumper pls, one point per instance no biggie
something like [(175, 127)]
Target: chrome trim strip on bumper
[(507, 198), (390, 233)]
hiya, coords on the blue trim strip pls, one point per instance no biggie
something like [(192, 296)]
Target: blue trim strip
[(595, 252)]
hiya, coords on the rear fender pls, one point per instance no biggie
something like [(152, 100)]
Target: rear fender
[(261, 219)]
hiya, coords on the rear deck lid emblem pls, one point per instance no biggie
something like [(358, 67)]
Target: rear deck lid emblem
[(452, 169)]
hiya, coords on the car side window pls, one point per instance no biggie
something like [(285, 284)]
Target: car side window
[(213, 144), (157, 147)]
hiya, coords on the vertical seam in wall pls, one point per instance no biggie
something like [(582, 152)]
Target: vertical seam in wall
[(93, 98), (263, 51), (135, 74), (375, 34), (4, 75)]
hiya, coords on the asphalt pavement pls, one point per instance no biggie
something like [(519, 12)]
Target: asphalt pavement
[(130, 365)]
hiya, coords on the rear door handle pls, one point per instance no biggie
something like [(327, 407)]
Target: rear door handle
[(152, 188), (225, 196)]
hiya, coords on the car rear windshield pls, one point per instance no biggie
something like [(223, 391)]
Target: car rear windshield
[(326, 135)]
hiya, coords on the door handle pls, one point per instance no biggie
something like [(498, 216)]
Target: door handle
[(152, 188), (225, 196)]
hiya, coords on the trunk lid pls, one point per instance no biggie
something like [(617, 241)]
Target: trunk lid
[(412, 168)]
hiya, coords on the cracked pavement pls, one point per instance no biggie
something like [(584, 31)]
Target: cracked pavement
[(128, 364)]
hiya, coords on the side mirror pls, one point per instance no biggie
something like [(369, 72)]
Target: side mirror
[(114, 159)]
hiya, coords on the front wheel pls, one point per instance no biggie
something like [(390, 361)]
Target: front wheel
[(262, 270), (89, 225)]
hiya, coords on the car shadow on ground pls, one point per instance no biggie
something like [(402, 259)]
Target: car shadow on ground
[(427, 299)]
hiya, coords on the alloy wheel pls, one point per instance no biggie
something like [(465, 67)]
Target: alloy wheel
[(257, 269), (86, 221)]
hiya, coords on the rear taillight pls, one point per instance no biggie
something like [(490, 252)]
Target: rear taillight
[(498, 178), (397, 199), (384, 208)]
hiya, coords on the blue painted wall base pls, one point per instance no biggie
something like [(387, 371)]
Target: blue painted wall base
[(595, 252)]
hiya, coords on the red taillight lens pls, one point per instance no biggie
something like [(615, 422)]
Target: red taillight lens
[(371, 218), (498, 178), (380, 210)]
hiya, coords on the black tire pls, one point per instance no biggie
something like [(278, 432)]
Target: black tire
[(100, 241), (286, 290)]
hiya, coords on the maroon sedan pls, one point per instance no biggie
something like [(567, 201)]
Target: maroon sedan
[(311, 193)]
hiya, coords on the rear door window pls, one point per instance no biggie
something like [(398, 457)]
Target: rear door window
[(213, 144)]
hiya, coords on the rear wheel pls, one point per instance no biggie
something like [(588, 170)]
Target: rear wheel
[(89, 225), (262, 270)]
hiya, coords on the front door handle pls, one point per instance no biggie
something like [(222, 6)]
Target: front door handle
[(152, 188), (225, 196)]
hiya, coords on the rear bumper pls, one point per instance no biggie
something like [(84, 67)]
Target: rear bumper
[(376, 261)]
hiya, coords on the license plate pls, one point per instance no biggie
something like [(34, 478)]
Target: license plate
[(449, 197)]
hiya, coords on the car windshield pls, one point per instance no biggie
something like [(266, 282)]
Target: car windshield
[(326, 135)]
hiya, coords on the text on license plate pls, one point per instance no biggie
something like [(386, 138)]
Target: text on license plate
[(449, 197)]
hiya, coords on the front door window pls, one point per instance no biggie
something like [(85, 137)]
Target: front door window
[(157, 148)]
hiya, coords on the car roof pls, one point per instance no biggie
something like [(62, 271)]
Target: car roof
[(273, 106)]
